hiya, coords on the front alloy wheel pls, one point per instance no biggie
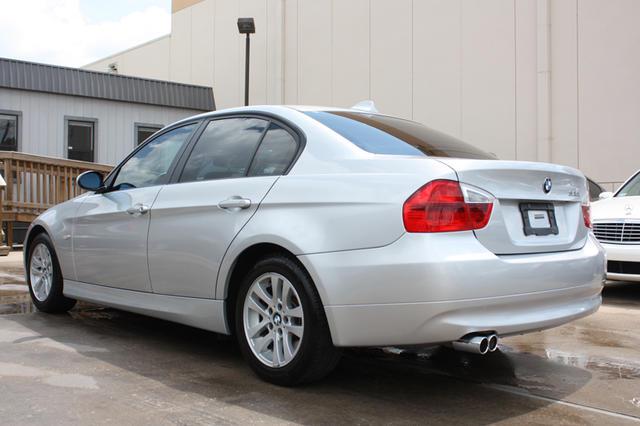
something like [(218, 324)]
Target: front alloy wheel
[(45, 277), (41, 272)]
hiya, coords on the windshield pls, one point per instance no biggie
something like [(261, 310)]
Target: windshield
[(381, 134), (631, 188)]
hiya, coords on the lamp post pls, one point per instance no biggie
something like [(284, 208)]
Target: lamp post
[(246, 26)]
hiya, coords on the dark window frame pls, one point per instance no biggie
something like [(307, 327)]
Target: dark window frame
[(138, 126), (18, 115), (293, 130), (94, 122)]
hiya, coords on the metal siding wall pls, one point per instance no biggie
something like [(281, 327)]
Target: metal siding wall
[(229, 75), (450, 64), (350, 49), (202, 37), (22, 75), (314, 54), (437, 91), (609, 88), (488, 76), (43, 122), (391, 56)]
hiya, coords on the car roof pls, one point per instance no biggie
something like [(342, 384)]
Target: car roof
[(273, 109)]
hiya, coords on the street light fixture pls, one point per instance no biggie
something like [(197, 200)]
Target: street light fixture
[(246, 26)]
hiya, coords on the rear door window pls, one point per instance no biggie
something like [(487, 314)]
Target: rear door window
[(275, 154), (380, 134), (225, 149)]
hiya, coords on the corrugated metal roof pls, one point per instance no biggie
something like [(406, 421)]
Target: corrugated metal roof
[(93, 84)]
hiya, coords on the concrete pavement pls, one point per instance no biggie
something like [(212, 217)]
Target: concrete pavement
[(103, 366)]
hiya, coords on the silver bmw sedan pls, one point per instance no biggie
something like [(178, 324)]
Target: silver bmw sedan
[(304, 230)]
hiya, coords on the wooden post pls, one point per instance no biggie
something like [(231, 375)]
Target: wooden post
[(4, 249)]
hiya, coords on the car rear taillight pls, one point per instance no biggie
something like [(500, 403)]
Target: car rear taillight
[(586, 214), (447, 206)]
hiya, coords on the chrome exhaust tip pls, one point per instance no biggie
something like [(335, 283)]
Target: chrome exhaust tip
[(473, 344), (493, 342)]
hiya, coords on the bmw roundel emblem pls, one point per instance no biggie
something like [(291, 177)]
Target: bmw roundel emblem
[(547, 185)]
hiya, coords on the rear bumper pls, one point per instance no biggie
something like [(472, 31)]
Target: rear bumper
[(426, 289), (622, 253)]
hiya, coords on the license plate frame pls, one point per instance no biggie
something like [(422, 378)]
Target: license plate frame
[(552, 229)]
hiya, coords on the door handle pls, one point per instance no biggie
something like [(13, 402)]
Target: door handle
[(138, 209), (235, 203)]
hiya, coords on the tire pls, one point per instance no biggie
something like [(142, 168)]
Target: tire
[(44, 272), (311, 354)]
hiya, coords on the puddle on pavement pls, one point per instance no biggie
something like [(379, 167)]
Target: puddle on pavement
[(612, 369), (15, 298), (14, 294), (16, 304)]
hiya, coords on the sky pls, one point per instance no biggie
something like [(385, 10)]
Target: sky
[(77, 32)]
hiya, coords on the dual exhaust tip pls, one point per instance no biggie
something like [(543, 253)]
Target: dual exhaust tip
[(477, 344)]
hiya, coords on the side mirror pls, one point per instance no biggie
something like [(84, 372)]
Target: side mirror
[(605, 195), (91, 181)]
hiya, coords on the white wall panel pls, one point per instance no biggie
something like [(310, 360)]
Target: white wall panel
[(274, 50), (564, 83), (526, 79), (314, 54), (436, 64), (149, 60), (488, 75), (391, 56), (229, 75), (609, 88), (202, 38), (350, 47), (180, 67), (291, 58)]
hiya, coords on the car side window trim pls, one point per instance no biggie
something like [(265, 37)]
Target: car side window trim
[(295, 133), (112, 176)]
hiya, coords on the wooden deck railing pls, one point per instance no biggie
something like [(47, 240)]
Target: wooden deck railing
[(34, 183)]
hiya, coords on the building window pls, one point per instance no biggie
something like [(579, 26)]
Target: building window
[(80, 140), (8, 132), (145, 131)]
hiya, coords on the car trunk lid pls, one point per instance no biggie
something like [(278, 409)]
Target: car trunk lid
[(525, 213)]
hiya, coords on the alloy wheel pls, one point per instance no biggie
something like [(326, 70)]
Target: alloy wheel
[(41, 272), (273, 320)]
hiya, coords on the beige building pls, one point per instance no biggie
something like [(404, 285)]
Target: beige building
[(548, 80)]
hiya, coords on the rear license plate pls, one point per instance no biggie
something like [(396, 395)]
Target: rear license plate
[(539, 219)]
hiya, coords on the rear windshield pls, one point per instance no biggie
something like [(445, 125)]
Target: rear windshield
[(381, 134)]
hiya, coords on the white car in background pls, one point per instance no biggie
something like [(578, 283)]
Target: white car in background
[(616, 224)]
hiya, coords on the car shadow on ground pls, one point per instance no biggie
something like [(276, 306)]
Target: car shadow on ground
[(368, 386)]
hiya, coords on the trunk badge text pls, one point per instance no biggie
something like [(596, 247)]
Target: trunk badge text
[(547, 185)]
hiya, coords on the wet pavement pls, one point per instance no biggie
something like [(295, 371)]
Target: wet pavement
[(97, 366)]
